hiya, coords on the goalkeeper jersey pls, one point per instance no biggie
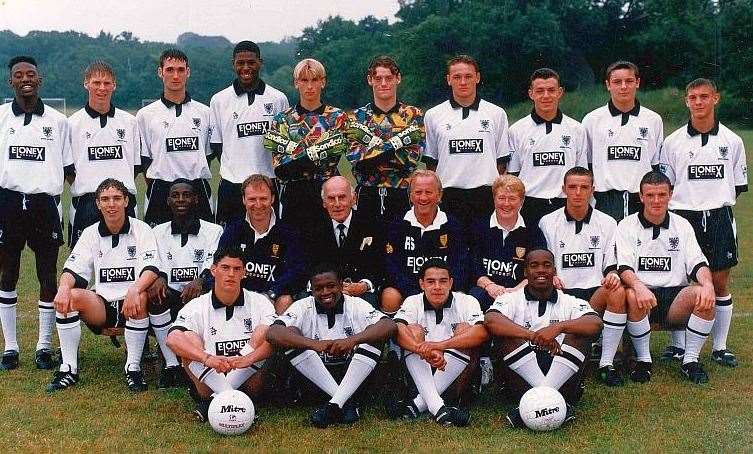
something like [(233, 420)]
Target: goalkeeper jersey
[(306, 128), (390, 169)]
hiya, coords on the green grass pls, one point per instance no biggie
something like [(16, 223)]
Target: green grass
[(667, 414)]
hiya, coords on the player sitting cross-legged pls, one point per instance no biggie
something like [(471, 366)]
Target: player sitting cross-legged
[(221, 335), (330, 334)]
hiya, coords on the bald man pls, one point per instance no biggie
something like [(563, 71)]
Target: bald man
[(350, 240)]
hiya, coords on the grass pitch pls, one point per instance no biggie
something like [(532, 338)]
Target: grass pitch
[(666, 415)]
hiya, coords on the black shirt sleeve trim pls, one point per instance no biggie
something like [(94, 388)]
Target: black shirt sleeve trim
[(80, 282), (151, 268), (694, 274)]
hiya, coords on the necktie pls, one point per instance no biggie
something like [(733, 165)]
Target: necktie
[(341, 235)]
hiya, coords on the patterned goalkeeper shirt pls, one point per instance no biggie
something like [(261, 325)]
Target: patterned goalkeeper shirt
[(385, 167), (306, 127)]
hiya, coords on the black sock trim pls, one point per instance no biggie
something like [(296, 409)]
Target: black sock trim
[(572, 358), (369, 354), (65, 321), (290, 354), (458, 356), (518, 356), (135, 328), (614, 324), (698, 333), (204, 374), (639, 335)]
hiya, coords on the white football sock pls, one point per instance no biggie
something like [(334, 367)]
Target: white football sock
[(69, 333), (311, 366), (135, 337), (722, 323), (695, 336), (677, 337), (564, 366), (8, 301), (614, 325), (420, 371), (215, 381), (161, 324), (640, 334), (523, 362), (46, 324), (363, 362), (444, 378)]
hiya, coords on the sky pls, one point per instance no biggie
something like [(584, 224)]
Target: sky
[(164, 20)]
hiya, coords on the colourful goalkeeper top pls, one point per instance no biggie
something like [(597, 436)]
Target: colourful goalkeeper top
[(307, 145), (388, 145)]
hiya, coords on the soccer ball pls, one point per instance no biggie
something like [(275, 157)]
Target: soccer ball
[(231, 413), (542, 408)]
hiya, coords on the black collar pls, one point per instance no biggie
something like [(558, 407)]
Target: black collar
[(178, 106), (656, 227), (330, 313), (473, 106), (301, 111), (38, 110), (217, 304), (394, 109), (542, 303), (189, 228), (625, 115), (692, 132), (538, 120), (103, 231), (102, 116), (257, 89), (579, 223)]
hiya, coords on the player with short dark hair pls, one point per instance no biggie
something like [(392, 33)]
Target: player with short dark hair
[(544, 145), (441, 332), (624, 139), (240, 115), (120, 254), (330, 332), (424, 232), (186, 247), (306, 142), (175, 132), (35, 151), (390, 137), (466, 143), (105, 142), (272, 250), (658, 256), (705, 161), (544, 335), (582, 240), (221, 335)]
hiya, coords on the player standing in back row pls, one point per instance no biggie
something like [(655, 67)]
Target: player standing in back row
[(705, 162), (175, 132), (624, 139), (241, 114), (35, 149), (466, 142)]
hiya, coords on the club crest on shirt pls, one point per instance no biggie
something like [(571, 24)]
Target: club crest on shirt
[(196, 122), (566, 141), (520, 252), (131, 252), (595, 241), (348, 330), (443, 240), (674, 242), (121, 133), (388, 248), (235, 115), (723, 152), (485, 125), (643, 131), (248, 324), (47, 131), (198, 255), (268, 106), (275, 249)]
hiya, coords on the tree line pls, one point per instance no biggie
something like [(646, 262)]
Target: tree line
[(672, 41)]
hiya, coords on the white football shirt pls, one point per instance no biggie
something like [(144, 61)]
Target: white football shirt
[(439, 324)]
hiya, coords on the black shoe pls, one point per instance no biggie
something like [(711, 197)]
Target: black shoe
[(351, 413), (62, 380), (135, 381), (170, 377), (202, 409), (672, 353), (10, 360), (452, 416), (513, 417), (609, 376), (641, 372), (724, 357), (569, 414), (402, 409), (44, 359), (694, 372), (325, 415)]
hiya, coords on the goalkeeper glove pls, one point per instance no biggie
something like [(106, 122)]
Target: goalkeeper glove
[(328, 145), (358, 132), (408, 136), (277, 143)]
